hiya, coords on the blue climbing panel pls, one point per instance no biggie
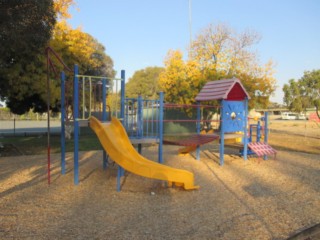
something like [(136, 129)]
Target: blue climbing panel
[(233, 115)]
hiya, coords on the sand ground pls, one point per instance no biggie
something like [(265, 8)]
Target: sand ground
[(253, 199)]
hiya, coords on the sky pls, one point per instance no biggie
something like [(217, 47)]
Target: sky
[(139, 33)]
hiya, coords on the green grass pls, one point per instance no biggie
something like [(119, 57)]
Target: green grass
[(33, 145)]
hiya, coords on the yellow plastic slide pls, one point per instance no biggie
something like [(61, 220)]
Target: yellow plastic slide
[(116, 143)]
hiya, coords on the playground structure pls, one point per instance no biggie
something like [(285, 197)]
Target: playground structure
[(233, 121), (188, 149), (234, 116), (233, 109), (114, 138), (143, 121), (262, 149), (107, 85)]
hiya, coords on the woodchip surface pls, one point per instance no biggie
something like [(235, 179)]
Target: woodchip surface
[(253, 199)]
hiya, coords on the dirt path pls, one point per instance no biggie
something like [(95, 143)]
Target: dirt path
[(253, 199), (242, 200)]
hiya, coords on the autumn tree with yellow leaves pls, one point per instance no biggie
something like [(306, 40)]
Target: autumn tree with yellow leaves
[(77, 47), (61, 8), (180, 79), (218, 52)]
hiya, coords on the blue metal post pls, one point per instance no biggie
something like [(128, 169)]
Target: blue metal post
[(122, 109), (245, 130), (123, 78), (250, 133), (140, 122), (104, 100), (63, 115), (222, 119), (258, 132), (160, 154), (198, 129), (76, 125), (140, 118), (119, 175), (266, 131), (125, 121), (104, 118), (150, 118)]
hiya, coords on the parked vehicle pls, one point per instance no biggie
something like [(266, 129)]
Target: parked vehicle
[(293, 116), (289, 116), (302, 116)]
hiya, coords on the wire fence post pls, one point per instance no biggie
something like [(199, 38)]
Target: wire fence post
[(14, 126), (62, 135)]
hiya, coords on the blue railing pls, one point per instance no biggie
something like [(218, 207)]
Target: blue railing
[(142, 117)]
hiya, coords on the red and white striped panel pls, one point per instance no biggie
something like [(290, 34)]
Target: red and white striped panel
[(261, 148)]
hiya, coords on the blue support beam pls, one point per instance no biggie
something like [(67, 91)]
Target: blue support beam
[(245, 130), (221, 147), (76, 125), (140, 118), (104, 100), (123, 79), (266, 132), (104, 118), (198, 128), (122, 109), (119, 175), (258, 132), (161, 106)]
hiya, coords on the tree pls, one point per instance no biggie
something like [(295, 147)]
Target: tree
[(304, 93), (181, 79), (144, 82), (218, 53), (218, 48), (61, 8), (25, 28), (77, 47), (23, 69)]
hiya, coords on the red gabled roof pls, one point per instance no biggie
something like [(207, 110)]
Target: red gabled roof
[(228, 89)]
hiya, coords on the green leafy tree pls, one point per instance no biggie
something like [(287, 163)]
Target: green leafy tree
[(292, 98), (77, 47), (304, 93), (25, 28), (144, 82), (25, 31)]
